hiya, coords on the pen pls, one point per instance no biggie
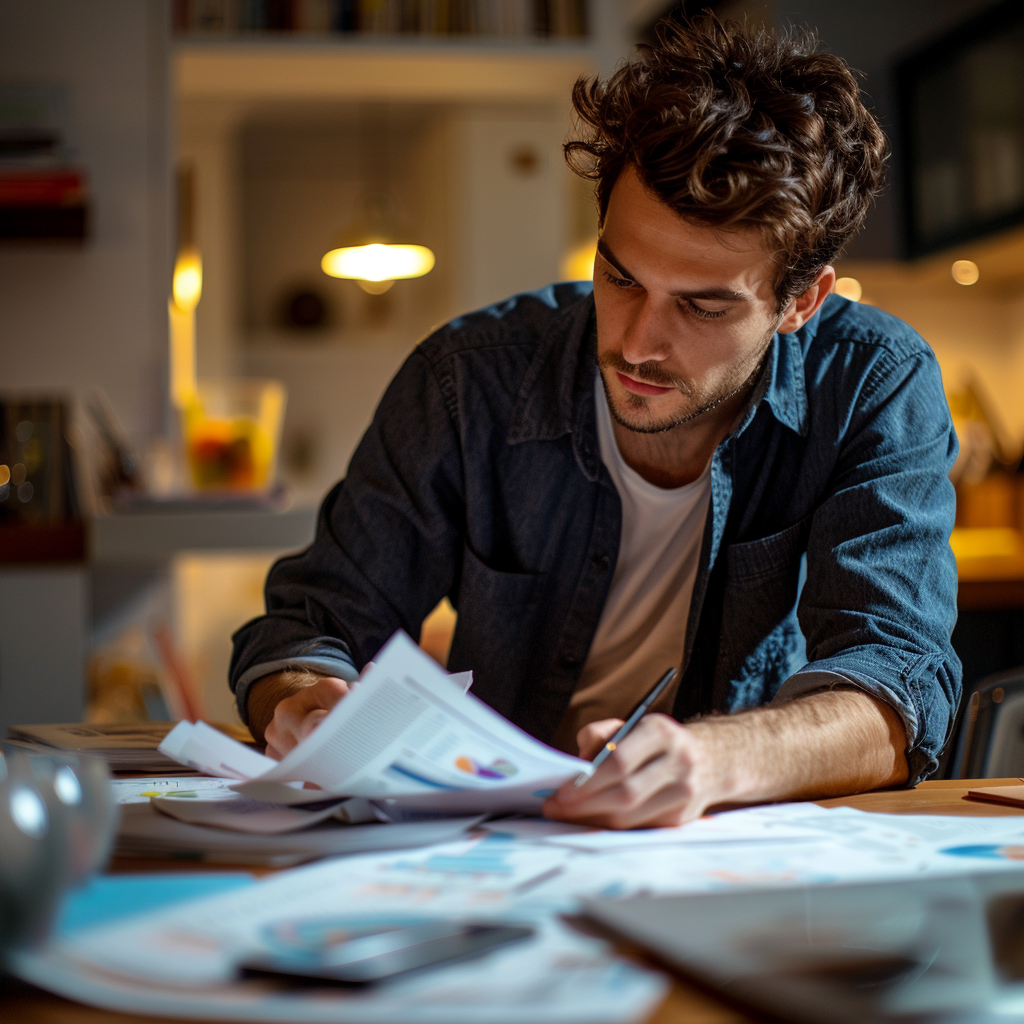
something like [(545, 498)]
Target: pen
[(627, 726)]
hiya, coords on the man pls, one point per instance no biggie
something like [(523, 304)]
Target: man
[(708, 462)]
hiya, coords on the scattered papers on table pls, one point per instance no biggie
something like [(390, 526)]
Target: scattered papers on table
[(407, 735), (180, 961)]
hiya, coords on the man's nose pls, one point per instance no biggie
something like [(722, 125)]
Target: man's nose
[(646, 336)]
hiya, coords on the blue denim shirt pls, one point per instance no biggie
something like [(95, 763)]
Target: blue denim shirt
[(825, 556)]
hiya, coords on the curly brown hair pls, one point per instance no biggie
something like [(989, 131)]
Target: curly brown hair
[(737, 128)]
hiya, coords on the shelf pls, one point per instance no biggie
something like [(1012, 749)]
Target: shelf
[(155, 536), (339, 42), (55, 223), (426, 71), (49, 543)]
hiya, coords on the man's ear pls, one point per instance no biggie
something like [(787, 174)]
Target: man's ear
[(803, 307)]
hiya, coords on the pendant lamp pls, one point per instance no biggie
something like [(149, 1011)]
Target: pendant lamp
[(374, 250)]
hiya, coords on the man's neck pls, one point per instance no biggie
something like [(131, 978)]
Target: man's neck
[(676, 457)]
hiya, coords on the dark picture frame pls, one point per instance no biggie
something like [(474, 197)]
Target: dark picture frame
[(961, 101)]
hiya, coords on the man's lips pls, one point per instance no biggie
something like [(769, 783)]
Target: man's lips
[(639, 387)]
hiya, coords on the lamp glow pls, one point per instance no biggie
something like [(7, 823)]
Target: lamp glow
[(378, 262), (965, 272), (578, 264), (849, 288), (187, 283)]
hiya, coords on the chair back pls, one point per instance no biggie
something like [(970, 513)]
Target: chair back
[(991, 741)]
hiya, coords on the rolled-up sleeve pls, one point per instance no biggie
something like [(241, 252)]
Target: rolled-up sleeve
[(879, 603)]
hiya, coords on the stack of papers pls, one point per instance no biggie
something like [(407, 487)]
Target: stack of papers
[(251, 833), (126, 748), (144, 832), (406, 737)]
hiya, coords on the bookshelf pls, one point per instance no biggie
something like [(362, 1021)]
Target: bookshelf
[(218, 55), (516, 19)]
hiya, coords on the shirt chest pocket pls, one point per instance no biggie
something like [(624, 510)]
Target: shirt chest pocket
[(762, 581), (485, 591)]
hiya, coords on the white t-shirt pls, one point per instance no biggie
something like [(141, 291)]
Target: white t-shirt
[(642, 628)]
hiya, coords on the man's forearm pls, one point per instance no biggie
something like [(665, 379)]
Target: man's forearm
[(828, 743)]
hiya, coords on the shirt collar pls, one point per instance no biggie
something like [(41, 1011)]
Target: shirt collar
[(784, 388)]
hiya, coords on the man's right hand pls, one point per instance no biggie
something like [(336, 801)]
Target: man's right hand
[(284, 708)]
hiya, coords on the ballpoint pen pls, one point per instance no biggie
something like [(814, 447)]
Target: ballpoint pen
[(627, 726)]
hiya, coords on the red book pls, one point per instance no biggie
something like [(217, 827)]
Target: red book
[(41, 188)]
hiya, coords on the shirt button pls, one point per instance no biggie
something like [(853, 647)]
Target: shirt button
[(600, 560), (570, 661)]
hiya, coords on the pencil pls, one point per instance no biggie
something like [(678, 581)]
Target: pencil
[(627, 726)]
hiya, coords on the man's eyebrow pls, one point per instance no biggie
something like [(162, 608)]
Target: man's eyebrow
[(715, 294), (712, 294), (610, 259)]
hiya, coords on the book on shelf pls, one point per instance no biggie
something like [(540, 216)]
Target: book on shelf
[(510, 19), (43, 191)]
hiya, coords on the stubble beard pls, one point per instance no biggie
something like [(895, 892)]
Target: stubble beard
[(651, 373)]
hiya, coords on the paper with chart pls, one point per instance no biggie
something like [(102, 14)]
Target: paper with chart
[(406, 734)]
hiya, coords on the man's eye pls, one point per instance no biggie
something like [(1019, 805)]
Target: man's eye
[(619, 282), (705, 314)]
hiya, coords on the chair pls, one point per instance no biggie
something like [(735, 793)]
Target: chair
[(991, 740)]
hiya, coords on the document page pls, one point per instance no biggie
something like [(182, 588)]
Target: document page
[(407, 734), (206, 750)]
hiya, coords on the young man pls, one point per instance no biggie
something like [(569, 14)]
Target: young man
[(707, 462)]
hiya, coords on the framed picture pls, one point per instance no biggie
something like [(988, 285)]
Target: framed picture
[(962, 130)]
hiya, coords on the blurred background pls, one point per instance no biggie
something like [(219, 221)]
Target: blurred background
[(225, 223)]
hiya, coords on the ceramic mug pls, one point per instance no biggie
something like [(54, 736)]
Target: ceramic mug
[(58, 817)]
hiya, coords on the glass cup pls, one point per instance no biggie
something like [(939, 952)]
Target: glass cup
[(232, 430)]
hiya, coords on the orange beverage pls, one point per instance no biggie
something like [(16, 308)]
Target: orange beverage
[(232, 428)]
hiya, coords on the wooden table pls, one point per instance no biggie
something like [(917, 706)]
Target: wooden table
[(685, 1004)]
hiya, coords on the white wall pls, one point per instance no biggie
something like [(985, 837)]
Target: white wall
[(73, 318), (43, 613), (513, 217)]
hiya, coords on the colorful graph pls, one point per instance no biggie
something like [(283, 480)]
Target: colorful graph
[(489, 857), (988, 851), (497, 769)]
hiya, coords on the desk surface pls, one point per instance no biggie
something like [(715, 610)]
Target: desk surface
[(685, 1004)]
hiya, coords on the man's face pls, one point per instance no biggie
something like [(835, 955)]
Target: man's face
[(685, 312)]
